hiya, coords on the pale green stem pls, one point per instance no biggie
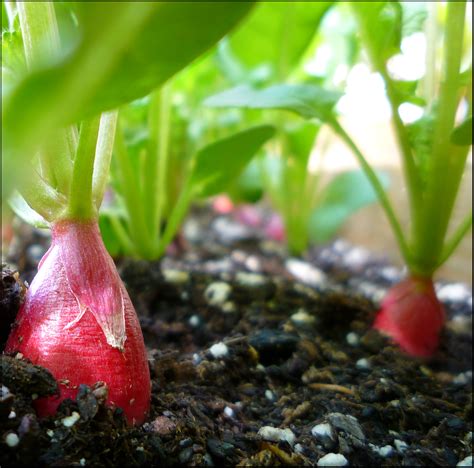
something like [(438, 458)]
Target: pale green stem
[(103, 155), (446, 161), (456, 238), (378, 188), (81, 204)]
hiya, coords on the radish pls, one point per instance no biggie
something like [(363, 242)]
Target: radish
[(78, 322)]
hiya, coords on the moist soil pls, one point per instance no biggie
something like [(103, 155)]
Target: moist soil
[(257, 358)]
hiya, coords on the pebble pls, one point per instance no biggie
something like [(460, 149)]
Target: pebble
[(82, 462), (12, 439), (352, 339), (400, 445), (194, 321), (302, 317), (163, 425), (466, 461), (463, 378), (196, 359), (269, 395), (333, 459), (69, 421), (385, 451), (274, 434), (349, 425), (185, 455), (305, 272), (356, 257), (363, 363), (229, 232), (219, 350), (217, 293), (229, 412), (456, 292), (322, 431), (175, 276), (299, 448), (251, 280), (12, 415)]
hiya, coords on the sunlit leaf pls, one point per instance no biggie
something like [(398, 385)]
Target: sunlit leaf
[(218, 163), (306, 100)]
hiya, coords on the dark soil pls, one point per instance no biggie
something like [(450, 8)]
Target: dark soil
[(242, 339)]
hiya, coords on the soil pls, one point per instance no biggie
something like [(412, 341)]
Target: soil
[(257, 358)]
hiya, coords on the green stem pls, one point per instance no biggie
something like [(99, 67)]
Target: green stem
[(157, 158), (378, 188), (105, 146), (81, 203), (174, 221), (455, 240), (130, 192), (447, 161)]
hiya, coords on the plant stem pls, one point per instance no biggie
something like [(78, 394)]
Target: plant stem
[(157, 159), (105, 146), (455, 240), (447, 161), (81, 203), (378, 188)]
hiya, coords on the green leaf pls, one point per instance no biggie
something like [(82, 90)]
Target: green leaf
[(26, 213), (345, 194), (221, 162), (381, 27), (5, 22), (126, 50), (305, 100), (248, 188), (462, 135), (278, 33)]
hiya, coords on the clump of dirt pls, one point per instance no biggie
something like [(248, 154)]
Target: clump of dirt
[(260, 359)]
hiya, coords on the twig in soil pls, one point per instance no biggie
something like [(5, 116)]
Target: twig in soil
[(331, 387)]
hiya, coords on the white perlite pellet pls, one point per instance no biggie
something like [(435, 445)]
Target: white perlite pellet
[(217, 293), (194, 321), (333, 459), (269, 395), (363, 363), (352, 339), (12, 439), (274, 434), (250, 279), (321, 431), (400, 445), (219, 350), (229, 412), (466, 462), (175, 276), (384, 452), (305, 272), (69, 421), (302, 317)]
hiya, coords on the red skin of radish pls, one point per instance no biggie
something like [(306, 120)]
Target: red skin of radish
[(77, 275), (412, 316)]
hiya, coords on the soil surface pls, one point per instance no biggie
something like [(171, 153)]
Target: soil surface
[(257, 358)]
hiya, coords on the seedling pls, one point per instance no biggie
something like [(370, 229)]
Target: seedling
[(77, 319), (434, 151)]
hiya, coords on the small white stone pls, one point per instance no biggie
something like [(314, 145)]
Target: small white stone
[(82, 462), (252, 280), (363, 363), (453, 292), (356, 257), (196, 359), (175, 276), (333, 459), (400, 445), (219, 350), (274, 434), (12, 439), (302, 317), (34, 396), (12, 415), (228, 307), (253, 263), (322, 431), (217, 293), (466, 462), (305, 272), (50, 433), (299, 448), (463, 378), (384, 452), (194, 321), (4, 392), (352, 339), (140, 449), (19, 355), (229, 412), (69, 421), (269, 395)]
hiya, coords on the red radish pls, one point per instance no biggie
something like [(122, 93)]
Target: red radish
[(412, 316), (78, 322)]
